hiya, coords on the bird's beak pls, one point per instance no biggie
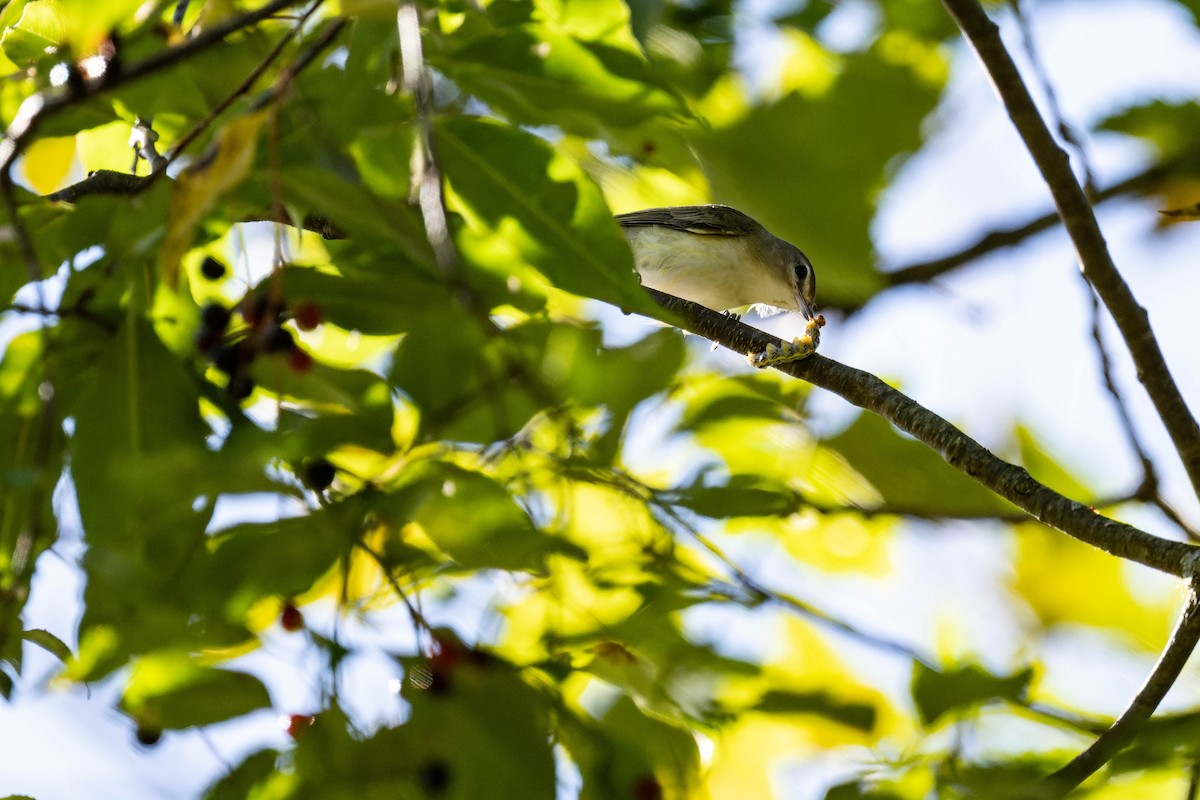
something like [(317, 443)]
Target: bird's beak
[(805, 308)]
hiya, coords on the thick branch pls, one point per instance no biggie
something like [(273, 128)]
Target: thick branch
[(1080, 221), (1011, 482), (1183, 641)]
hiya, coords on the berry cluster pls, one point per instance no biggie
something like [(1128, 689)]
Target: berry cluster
[(232, 349)]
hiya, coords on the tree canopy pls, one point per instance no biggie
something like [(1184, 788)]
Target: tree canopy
[(314, 358)]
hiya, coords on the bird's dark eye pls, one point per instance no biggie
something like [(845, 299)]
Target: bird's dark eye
[(801, 272)]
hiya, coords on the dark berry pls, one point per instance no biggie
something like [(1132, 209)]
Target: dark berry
[(261, 308), (207, 342), (148, 736), (240, 386), (212, 269), (277, 340), (290, 619), (299, 360), (318, 474), (214, 317), (434, 777), (232, 357), (308, 316), (296, 723), (646, 787)]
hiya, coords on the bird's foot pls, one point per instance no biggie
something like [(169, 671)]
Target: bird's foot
[(799, 348)]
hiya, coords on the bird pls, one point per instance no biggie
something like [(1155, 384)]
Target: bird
[(723, 259)]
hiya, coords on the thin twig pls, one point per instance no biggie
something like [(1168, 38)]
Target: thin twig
[(420, 624), (426, 188), (40, 107), (962, 452), (241, 89), (1069, 133), (925, 271), (1121, 733), (1080, 221), (29, 257), (1149, 473), (631, 486)]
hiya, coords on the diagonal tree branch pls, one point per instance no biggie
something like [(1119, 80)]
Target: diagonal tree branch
[(1009, 481), (1121, 733), (1080, 220)]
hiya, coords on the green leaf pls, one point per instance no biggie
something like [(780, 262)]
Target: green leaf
[(761, 395), (627, 750), (741, 496), (1169, 127), (328, 406), (282, 558), (375, 305), (38, 32), (169, 691), (482, 732), (471, 517), (48, 642), (513, 187), (239, 783), (138, 454), (861, 716), (936, 693), (356, 210)]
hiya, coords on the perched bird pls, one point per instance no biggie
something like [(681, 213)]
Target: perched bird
[(720, 258)]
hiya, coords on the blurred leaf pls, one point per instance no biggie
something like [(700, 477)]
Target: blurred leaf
[(1045, 469), (855, 790), (741, 496), (456, 377), (47, 163), (470, 517), (169, 691), (48, 642), (39, 32), (1169, 127), (357, 211), (239, 782), (940, 692), (855, 715), (31, 444), (1065, 581), (198, 188), (479, 732), (283, 558), (372, 305), (136, 453), (630, 754), (90, 21), (766, 161)]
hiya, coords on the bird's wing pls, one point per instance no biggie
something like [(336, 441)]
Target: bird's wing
[(712, 219)]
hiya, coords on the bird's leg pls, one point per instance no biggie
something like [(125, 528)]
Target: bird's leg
[(799, 348)]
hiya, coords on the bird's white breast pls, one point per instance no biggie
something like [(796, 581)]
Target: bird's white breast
[(718, 272)]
